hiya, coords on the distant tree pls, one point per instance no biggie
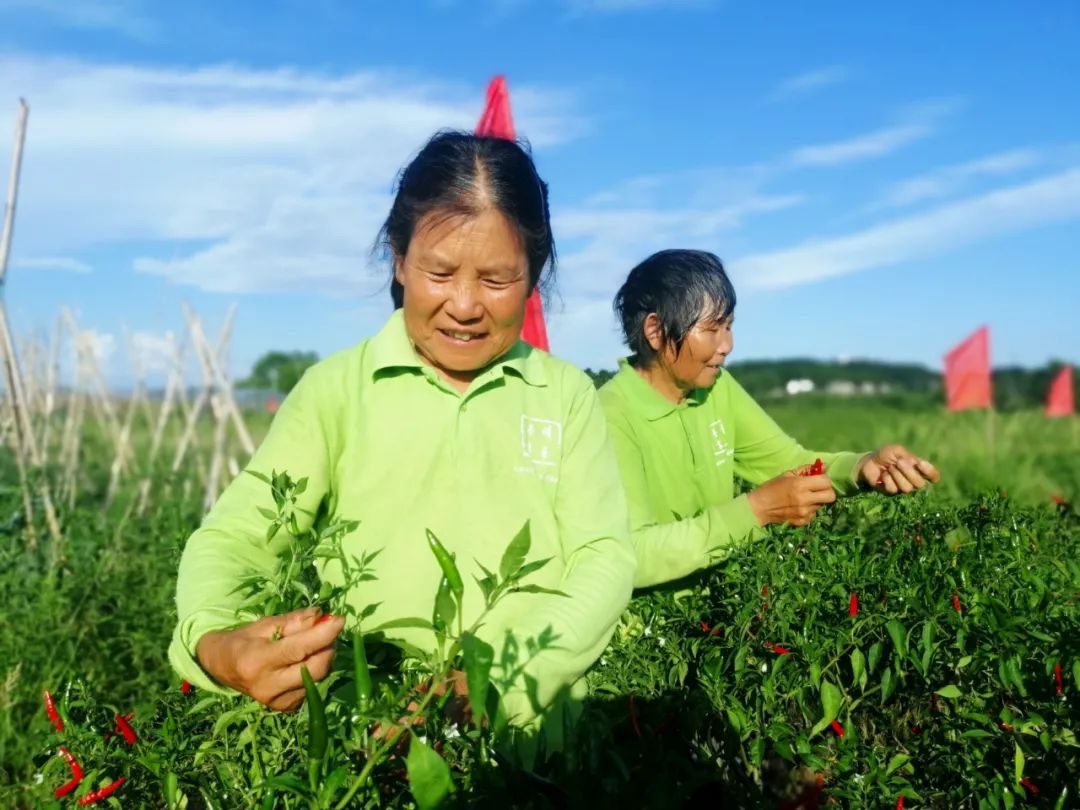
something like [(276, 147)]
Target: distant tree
[(279, 371), (599, 377)]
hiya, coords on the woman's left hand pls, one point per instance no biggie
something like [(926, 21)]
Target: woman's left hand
[(894, 469)]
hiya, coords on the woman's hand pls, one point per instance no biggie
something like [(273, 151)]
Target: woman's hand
[(791, 498), (894, 469), (457, 709), (263, 659)]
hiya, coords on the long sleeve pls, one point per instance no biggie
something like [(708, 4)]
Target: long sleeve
[(232, 543), (590, 511), (763, 450), (674, 549)]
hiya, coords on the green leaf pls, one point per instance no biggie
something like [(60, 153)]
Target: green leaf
[(951, 692), (858, 667), (1018, 764), (531, 567), (514, 556), (538, 589), (897, 761), (888, 685), (898, 634), (394, 624), (269, 514), (258, 475), (1012, 667), (429, 776), (301, 486), (478, 656), (445, 607), (875, 656), (831, 701)]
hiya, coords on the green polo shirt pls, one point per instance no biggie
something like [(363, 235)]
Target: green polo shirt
[(679, 462), (401, 451)]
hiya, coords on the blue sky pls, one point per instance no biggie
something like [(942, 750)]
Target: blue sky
[(880, 179)]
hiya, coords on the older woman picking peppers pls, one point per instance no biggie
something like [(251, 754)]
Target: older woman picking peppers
[(444, 421), (683, 428)]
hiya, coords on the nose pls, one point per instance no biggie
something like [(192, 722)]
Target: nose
[(463, 303), (727, 342)]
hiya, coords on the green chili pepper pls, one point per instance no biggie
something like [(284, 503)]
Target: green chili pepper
[(443, 614), (361, 671), (316, 727), (447, 564)]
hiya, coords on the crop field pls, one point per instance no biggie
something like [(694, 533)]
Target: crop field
[(915, 652)]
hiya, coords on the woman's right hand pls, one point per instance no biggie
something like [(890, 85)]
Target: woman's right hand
[(263, 659), (791, 498)]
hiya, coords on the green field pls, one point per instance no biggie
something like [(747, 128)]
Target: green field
[(956, 683)]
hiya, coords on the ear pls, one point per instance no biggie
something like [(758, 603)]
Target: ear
[(654, 334), (399, 270)]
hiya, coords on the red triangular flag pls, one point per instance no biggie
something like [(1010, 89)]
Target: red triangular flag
[(497, 122), (1060, 398), (967, 373)]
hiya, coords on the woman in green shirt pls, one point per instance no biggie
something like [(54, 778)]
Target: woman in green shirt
[(683, 429), (444, 420)]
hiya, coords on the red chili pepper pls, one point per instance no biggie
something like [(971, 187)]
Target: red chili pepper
[(764, 590), (632, 709), (1005, 726), (839, 729), (185, 687), (76, 774), (1058, 500), (1057, 677), (817, 468), (712, 631), (853, 605), (956, 603), (1029, 785), (105, 792), (324, 618), (54, 715), (916, 730), (123, 726), (776, 648), (900, 802)]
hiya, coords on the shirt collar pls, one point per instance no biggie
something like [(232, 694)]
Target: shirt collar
[(391, 348), (649, 402)]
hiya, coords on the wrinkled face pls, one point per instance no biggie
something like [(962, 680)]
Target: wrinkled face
[(465, 281), (703, 352)]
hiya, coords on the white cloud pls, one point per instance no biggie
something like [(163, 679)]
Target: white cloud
[(234, 179), (947, 180), (62, 263), (873, 144), (806, 83), (1050, 199), (153, 351), (101, 345)]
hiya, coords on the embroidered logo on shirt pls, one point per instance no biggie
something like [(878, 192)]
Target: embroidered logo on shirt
[(721, 450), (541, 447)]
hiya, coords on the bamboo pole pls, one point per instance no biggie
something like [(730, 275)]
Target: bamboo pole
[(26, 453)]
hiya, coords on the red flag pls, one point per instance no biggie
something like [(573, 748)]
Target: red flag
[(497, 122), (967, 373), (1059, 399)]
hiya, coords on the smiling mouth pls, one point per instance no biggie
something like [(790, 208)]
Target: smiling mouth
[(461, 336)]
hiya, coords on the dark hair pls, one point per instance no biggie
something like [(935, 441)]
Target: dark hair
[(458, 173), (682, 287)]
